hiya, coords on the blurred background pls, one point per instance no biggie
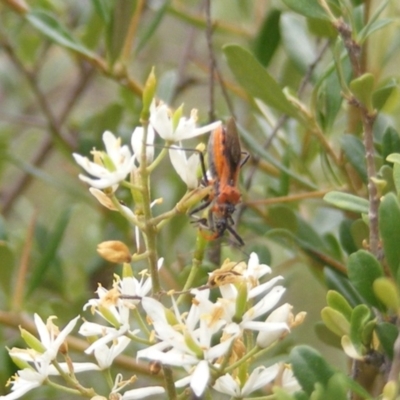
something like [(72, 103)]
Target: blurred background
[(71, 70)]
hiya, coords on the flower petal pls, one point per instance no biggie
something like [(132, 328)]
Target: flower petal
[(142, 392), (200, 378)]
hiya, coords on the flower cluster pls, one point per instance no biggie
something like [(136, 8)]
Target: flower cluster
[(110, 168), (205, 340)]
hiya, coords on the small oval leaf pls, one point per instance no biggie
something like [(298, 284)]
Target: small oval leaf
[(363, 269), (347, 201), (52, 29), (309, 367), (336, 301), (386, 291), (389, 226), (335, 321)]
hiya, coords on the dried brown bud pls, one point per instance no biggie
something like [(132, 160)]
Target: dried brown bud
[(114, 251), (155, 367)]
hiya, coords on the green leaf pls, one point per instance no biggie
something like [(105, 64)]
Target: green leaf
[(92, 32), (256, 80), (387, 334), (50, 252), (374, 23), (321, 27), (309, 367), (103, 9), (335, 321), (360, 316), (390, 143), (386, 183), (386, 291), (368, 331), (347, 201), (337, 388), (396, 177), (151, 27), (360, 232), (268, 37), (118, 26), (48, 25), (336, 301), (329, 98), (362, 88), (341, 284), (389, 226), (363, 269), (385, 95), (308, 8), (355, 153), (394, 158), (346, 237)]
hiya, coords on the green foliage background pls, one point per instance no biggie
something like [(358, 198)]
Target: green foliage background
[(69, 70)]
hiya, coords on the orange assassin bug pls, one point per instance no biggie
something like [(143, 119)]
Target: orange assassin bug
[(225, 160)]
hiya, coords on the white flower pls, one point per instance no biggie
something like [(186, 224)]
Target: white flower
[(288, 380), (105, 356), (113, 310), (137, 143), (50, 336), (130, 286), (276, 325), (105, 201), (174, 131), (187, 343), (260, 377), (29, 378), (77, 367), (24, 381), (255, 270), (142, 392), (185, 167), (109, 168)]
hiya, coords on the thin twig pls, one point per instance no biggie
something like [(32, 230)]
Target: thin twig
[(211, 63), (367, 118)]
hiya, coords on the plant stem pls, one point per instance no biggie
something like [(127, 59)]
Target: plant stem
[(367, 118)]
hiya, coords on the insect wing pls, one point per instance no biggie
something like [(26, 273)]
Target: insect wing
[(232, 153), (224, 153)]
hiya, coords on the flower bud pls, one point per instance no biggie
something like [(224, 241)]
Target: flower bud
[(127, 271), (32, 341), (114, 251), (241, 301), (192, 198), (148, 95), (155, 367)]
